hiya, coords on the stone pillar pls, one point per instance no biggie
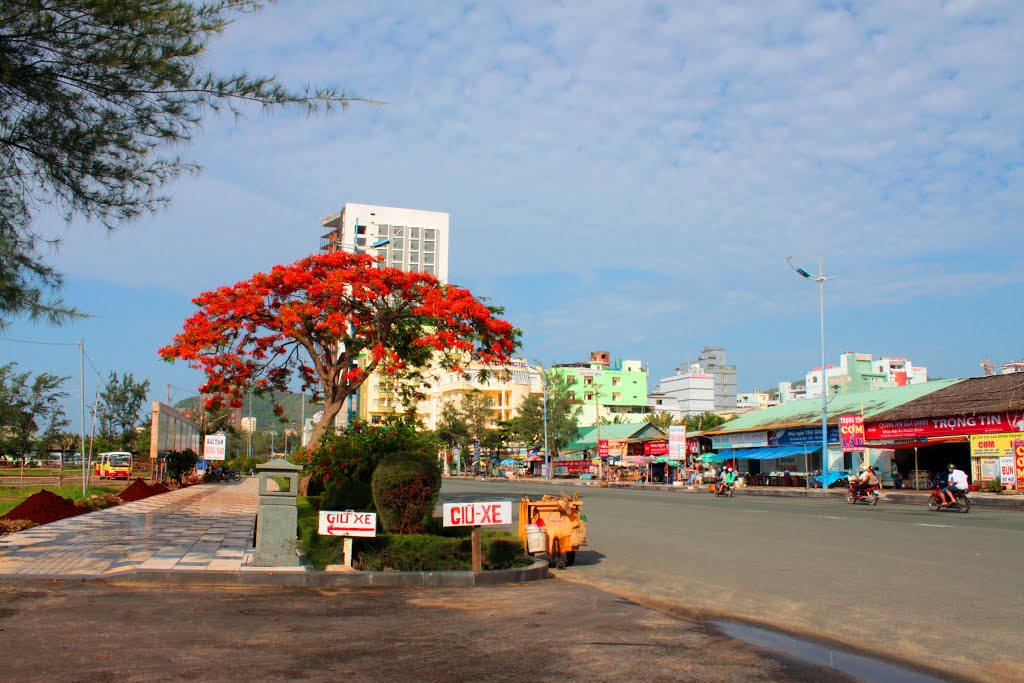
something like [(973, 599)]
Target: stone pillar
[(277, 517)]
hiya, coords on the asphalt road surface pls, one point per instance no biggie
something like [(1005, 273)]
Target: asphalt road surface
[(942, 590)]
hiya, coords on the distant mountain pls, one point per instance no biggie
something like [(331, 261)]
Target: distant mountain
[(263, 411)]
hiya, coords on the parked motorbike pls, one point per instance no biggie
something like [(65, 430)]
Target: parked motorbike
[(961, 504), (232, 475), (724, 489), (868, 495)]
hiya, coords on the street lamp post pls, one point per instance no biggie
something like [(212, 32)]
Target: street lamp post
[(820, 278), (547, 456)]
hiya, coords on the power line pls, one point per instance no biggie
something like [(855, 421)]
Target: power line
[(27, 341)]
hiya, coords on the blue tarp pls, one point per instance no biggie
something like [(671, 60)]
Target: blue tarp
[(833, 477), (763, 453)]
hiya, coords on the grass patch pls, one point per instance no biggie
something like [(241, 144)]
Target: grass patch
[(411, 552), (11, 496)]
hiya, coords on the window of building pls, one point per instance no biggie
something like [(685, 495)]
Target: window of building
[(616, 396), (414, 232), (397, 243), (588, 380), (397, 231), (414, 258), (616, 381), (414, 245), (590, 397), (360, 229), (429, 270), (428, 259), (428, 245), (429, 233)]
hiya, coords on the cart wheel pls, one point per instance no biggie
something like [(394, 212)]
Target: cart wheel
[(570, 558), (559, 563)]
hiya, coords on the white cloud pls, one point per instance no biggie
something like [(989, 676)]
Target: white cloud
[(703, 142)]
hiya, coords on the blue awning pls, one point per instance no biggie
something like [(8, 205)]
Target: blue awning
[(763, 453)]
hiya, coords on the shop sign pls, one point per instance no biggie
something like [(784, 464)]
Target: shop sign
[(1008, 448), (851, 432), (677, 441), (989, 468), (946, 426), (740, 440), (602, 448), (1008, 471), (656, 448), (802, 436)]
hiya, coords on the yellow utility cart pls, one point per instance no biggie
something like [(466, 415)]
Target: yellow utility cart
[(559, 519)]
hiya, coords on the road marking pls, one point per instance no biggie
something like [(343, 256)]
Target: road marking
[(944, 526), (828, 517)]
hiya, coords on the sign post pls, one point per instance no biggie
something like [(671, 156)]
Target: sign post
[(347, 524), (477, 515)]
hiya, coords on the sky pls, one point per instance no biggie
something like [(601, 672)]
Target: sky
[(621, 176)]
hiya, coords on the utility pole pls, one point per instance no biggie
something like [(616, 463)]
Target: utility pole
[(168, 394)]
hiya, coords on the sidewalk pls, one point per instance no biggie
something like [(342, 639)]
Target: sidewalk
[(203, 527)]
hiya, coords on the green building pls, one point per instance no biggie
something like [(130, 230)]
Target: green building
[(613, 390)]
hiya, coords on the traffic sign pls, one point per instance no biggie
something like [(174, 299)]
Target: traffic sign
[(348, 523)]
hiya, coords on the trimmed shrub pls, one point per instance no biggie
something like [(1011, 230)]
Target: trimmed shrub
[(405, 488), (347, 495)]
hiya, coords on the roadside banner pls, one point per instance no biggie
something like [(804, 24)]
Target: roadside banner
[(1008, 448), (602, 448), (851, 432), (677, 442), (215, 447)]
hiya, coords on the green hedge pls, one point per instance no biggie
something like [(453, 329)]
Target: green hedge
[(410, 552)]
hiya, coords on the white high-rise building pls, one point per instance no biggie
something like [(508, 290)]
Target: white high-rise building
[(412, 240), (691, 390)]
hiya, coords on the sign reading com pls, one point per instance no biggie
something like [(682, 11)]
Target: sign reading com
[(851, 432)]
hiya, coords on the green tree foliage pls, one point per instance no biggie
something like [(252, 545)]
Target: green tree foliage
[(120, 408), (180, 463), (95, 96), (405, 489), (347, 495), (30, 407), (660, 420), (697, 423), (563, 415), (354, 453)]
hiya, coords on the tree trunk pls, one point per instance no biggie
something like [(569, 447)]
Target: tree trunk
[(331, 411)]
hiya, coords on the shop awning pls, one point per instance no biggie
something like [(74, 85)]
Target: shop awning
[(762, 453)]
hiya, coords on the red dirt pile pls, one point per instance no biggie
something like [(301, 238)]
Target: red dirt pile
[(138, 490), (157, 487), (45, 507)]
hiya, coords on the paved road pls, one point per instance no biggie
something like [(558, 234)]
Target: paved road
[(870, 578)]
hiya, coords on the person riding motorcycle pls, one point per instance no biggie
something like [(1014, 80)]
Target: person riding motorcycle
[(867, 479), (728, 481), (956, 484)]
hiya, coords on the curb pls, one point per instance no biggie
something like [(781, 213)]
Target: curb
[(300, 577)]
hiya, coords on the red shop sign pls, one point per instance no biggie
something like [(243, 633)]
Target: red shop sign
[(656, 448), (998, 423)]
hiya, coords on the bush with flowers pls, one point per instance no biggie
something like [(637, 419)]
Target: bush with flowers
[(353, 453)]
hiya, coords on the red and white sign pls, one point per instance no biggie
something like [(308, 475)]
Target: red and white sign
[(602, 448), (656, 448), (478, 514), (945, 426), (851, 432), (348, 523)]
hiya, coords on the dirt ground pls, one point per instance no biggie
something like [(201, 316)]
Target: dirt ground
[(555, 630)]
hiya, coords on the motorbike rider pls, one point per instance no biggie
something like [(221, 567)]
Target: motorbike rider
[(956, 484), (728, 481), (868, 478)]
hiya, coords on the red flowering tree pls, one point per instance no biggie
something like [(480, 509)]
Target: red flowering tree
[(329, 321)]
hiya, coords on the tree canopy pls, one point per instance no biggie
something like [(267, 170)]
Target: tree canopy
[(94, 97), (120, 408), (30, 407), (329, 321), (563, 415)]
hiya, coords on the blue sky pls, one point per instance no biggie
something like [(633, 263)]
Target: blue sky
[(621, 176)]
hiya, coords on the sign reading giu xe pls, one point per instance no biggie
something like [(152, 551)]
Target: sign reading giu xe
[(477, 514)]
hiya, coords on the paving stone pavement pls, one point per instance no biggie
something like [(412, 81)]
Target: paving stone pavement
[(203, 527)]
